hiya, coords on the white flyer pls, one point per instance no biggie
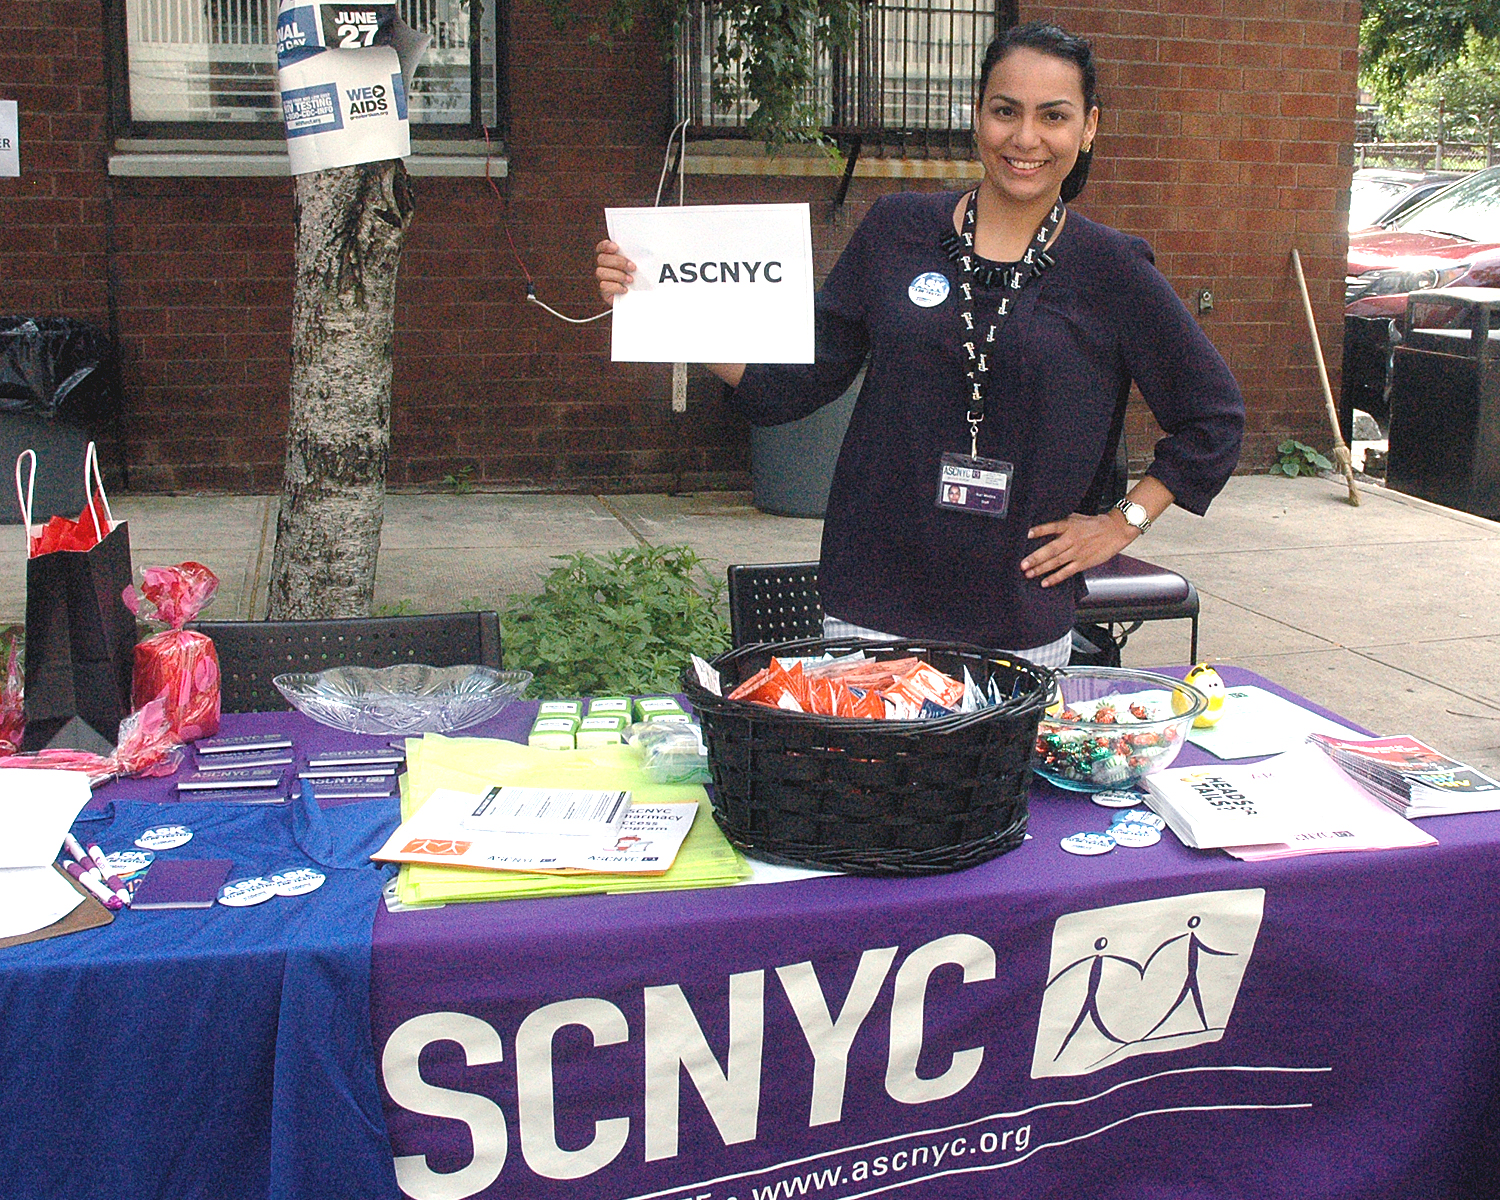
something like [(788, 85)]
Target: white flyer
[(464, 829), (1256, 722), (715, 283), (37, 807)]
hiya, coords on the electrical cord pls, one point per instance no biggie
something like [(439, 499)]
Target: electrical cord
[(531, 296)]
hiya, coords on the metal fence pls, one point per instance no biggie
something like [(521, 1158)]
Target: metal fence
[(1425, 156), (907, 80)]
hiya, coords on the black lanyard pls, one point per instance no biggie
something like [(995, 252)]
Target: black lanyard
[(1011, 277)]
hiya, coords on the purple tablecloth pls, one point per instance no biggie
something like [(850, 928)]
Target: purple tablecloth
[(1157, 1023)]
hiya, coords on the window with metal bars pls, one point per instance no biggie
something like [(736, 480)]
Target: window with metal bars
[(205, 68), (908, 79)]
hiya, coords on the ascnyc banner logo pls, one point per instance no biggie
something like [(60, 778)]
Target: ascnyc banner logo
[(674, 1042), (719, 272), (1143, 978)]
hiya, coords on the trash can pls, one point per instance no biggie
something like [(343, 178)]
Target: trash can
[(54, 387), (791, 465), (1445, 401)]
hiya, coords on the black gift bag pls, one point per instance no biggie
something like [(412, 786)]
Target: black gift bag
[(80, 637)]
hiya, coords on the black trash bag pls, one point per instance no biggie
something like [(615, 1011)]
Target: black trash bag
[(55, 367)]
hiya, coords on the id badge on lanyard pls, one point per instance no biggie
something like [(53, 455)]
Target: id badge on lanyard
[(968, 483)]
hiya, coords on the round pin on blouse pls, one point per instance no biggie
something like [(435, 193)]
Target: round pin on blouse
[(165, 837), (297, 881), (1135, 835), (928, 289), (1088, 843), (1119, 799), (242, 893)]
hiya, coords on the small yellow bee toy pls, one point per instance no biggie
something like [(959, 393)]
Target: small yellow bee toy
[(1206, 680)]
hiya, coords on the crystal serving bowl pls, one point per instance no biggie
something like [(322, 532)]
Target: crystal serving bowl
[(1108, 727), (406, 698)]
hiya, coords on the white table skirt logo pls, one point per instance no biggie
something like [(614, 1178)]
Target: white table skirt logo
[(928, 290), (1144, 978)]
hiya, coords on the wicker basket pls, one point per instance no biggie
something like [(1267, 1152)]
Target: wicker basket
[(873, 797)]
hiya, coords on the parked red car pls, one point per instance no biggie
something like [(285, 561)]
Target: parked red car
[(1451, 240)]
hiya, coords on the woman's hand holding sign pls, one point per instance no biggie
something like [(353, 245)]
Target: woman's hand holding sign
[(616, 273)]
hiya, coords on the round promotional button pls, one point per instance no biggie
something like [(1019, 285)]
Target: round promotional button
[(1138, 816), (241, 893), (125, 863), (296, 881), (1119, 799), (165, 837), (1135, 835), (1088, 843), (928, 290)]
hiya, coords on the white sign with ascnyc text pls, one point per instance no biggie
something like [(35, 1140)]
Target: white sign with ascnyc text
[(715, 283)]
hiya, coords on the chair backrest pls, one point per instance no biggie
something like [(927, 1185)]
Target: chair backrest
[(252, 653), (774, 602)]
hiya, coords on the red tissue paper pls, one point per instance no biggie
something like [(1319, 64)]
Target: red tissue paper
[(177, 665)]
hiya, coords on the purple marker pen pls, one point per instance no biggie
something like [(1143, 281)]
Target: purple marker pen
[(111, 880), (100, 892)]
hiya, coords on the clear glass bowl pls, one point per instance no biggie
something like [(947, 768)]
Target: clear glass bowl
[(1107, 727), (406, 698)]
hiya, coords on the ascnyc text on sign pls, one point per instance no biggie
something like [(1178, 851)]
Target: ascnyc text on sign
[(720, 272), (673, 1043)]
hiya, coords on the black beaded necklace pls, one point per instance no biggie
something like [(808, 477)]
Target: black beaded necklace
[(1011, 277)]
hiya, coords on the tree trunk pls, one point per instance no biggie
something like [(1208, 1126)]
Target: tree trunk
[(351, 223)]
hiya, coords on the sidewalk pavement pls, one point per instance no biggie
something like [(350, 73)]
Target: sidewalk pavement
[(1388, 613)]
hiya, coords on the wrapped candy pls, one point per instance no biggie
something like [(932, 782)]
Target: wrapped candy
[(12, 706), (148, 746), (177, 665)]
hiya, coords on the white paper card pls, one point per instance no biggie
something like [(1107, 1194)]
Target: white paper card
[(446, 832), (32, 898), (36, 809), (1256, 722), (10, 139), (715, 283), (344, 107)]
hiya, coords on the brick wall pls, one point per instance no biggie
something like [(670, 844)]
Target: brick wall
[(1223, 141)]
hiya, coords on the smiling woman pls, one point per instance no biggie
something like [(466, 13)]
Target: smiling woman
[(1002, 334)]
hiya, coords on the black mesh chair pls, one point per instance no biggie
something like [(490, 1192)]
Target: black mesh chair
[(252, 653), (778, 602), (774, 602)]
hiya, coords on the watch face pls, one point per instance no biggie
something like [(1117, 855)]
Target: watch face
[(1135, 514)]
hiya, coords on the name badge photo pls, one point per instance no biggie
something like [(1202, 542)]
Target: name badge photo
[(979, 486)]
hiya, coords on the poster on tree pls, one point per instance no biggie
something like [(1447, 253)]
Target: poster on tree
[(344, 71)]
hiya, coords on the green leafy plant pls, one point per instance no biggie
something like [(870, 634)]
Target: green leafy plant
[(461, 480), (1298, 458), (622, 623), (768, 48)]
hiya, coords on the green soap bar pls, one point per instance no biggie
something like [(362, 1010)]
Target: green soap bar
[(609, 721), (567, 725), (552, 740), (561, 708), (602, 705), (598, 737), (648, 707)]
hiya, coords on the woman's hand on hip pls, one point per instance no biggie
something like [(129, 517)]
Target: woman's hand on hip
[(613, 270), (1078, 543)]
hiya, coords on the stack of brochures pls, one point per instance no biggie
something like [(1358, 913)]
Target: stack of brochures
[(465, 800), (1412, 777), (1293, 804)]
